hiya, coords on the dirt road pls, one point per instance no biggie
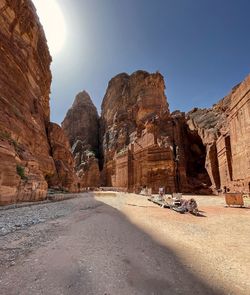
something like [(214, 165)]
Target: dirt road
[(123, 244)]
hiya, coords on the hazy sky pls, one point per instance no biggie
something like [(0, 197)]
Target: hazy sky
[(202, 47)]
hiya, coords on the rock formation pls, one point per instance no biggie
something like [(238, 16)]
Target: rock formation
[(142, 143), (63, 159), (128, 103), (81, 125), (225, 131), (81, 122), (27, 164), (208, 124)]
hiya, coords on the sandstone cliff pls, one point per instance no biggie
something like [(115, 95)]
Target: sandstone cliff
[(81, 125), (142, 143), (215, 128), (27, 162), (233, 145), (128, 103), (63, 159)]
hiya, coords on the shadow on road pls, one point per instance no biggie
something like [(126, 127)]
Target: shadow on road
[(151, 268), (99, 251)]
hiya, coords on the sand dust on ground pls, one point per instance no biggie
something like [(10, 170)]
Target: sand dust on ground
[(214, 246), (122, 244)]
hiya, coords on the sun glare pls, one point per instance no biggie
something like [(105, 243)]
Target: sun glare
[(52, 19)]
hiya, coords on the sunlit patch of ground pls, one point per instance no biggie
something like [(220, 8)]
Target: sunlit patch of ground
[(214, 246)]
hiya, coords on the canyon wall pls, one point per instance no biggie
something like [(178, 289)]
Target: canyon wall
[(233, 145), (208, 124), (225, 131), (26, 153)]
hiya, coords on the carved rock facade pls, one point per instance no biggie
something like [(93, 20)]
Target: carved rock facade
[(233, 146), (26, 156), (142, 143), (225, 131)]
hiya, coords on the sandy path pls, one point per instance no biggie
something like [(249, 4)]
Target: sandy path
[(127, 245), (215, 247)]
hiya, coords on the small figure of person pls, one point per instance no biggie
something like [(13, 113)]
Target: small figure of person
[(161, 193)]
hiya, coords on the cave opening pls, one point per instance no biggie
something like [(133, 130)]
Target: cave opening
[(196, 159)]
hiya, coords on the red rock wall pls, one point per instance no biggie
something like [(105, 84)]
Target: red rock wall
[(65, 176), (224, 166), (143, 145), (127, 103), (25, 80), (234, 144), (90, 175), (154, 167), (208, 124), (122, 170), (225, 131)]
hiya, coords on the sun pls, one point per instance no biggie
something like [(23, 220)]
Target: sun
[(52, 19)]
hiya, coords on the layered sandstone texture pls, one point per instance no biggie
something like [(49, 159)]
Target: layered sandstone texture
[(81, 125), (63, 159), (26, 157), (225, 131), (233, 146), (128, 103), (208, 123), (142, 143)]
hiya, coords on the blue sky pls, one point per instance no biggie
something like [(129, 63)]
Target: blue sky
[(202, 48)]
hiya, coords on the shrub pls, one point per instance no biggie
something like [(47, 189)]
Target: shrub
[(20, 172), (5, 135)]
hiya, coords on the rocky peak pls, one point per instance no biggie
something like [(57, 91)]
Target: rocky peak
[(81, 121), (137, 95), (129, 103), (82, 98), (81, 126)]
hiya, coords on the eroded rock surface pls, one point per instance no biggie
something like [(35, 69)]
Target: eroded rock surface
[(81, 121), (233, 145), (142, 143), (128, 103), (225, 131), (65, 175), (81, 125), (25, 78)]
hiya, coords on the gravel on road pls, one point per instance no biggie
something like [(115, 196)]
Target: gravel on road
[(124, 244)]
